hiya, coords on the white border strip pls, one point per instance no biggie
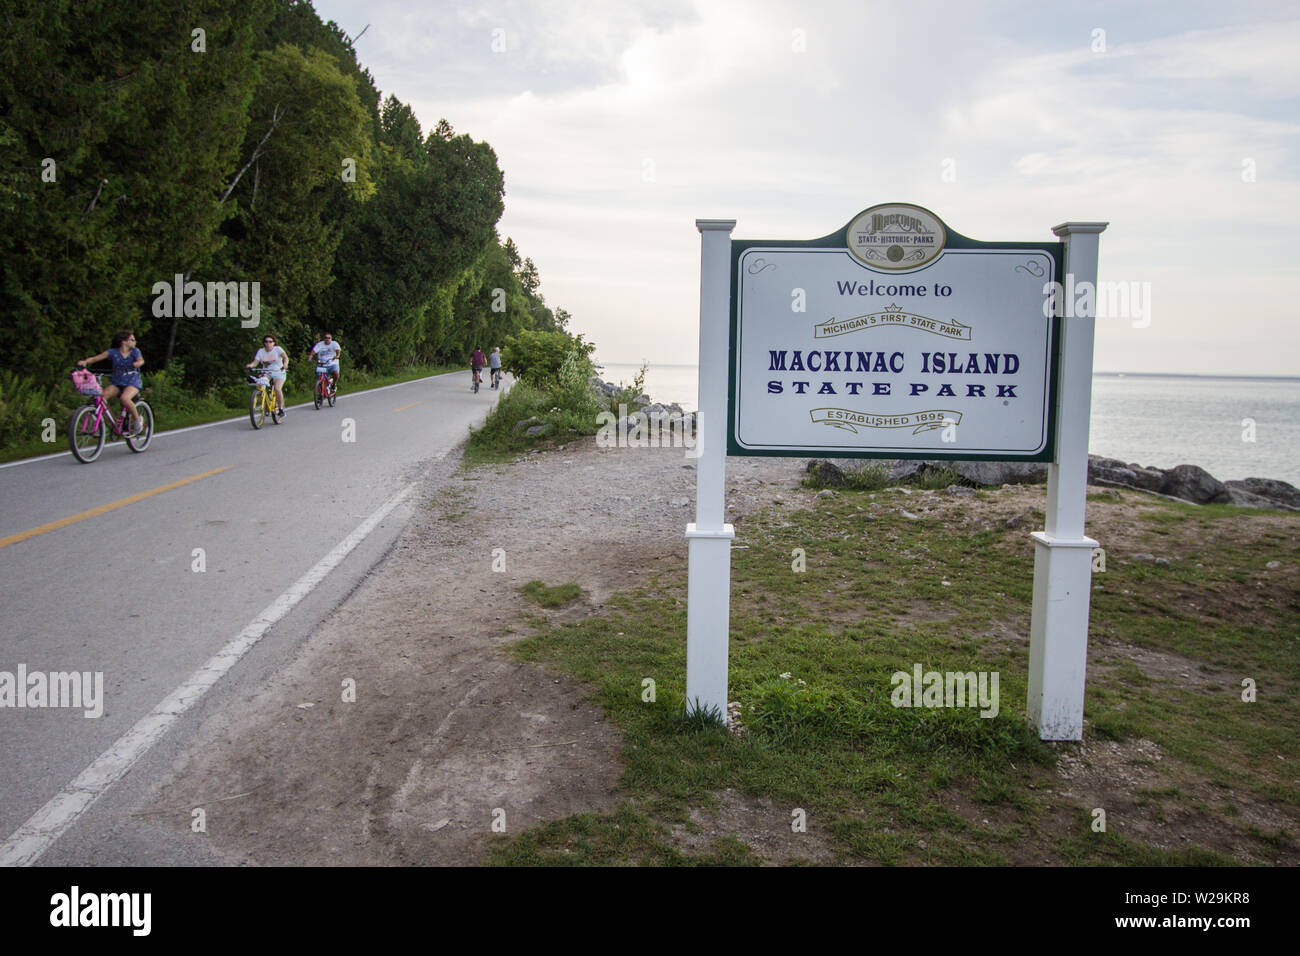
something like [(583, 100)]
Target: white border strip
[(46, 825), (227, 421)]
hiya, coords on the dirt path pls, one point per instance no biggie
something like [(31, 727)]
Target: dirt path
[(447, 733)]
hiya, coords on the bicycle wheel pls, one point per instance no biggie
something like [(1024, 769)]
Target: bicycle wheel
[(140, 442), (257, 407), (320, 392), (273, 403), (85, 438)]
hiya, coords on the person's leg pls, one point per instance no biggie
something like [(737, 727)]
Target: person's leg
[(129, 392), (279, 391), (110, 393)]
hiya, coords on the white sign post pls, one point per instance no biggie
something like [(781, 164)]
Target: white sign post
[(1058, 630), (708, 589), (897, 338)]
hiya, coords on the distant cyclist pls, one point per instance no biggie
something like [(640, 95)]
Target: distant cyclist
[(494, 360), (476, 363), (275, 365), (326, 352), (126, 360)]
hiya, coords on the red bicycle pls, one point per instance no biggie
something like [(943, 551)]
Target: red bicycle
[(91, 422), (325, 387)]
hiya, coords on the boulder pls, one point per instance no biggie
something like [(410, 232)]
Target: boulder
[(1193, 483), (1110, 471), (1264, 493), (1148, 479), (825, 473), (537, 431), (997, 473), (526, 424)]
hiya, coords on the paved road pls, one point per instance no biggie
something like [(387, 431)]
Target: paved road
[(118, 591)]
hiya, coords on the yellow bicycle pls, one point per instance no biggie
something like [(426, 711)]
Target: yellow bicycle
[(262, 401)]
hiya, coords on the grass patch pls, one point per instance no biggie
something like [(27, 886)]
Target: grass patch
[(555, 596), (811, 662)]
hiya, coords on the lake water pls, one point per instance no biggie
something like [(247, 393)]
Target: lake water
[(1155, 420)]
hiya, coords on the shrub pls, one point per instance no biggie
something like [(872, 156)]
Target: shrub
[(537, 357), (24, 405)]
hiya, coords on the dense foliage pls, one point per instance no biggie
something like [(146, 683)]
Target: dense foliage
[(233, 141)]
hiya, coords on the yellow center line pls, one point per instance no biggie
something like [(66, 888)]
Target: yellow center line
[(104, 509), (405, 407)]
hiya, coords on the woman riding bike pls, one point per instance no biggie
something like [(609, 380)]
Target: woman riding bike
[(275, 364), (126, 361)]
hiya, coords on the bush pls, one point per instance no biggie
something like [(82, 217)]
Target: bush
[(574, 404), (627, 394), (24, 405), (537, 357)]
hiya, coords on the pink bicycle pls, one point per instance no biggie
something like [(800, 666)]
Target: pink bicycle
[(91, 422)]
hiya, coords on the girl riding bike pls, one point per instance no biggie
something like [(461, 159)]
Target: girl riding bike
[(126, 361)]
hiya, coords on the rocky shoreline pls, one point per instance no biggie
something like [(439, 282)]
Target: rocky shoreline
[(1182, 482)]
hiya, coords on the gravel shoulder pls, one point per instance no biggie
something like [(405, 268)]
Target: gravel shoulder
[(448, 735)]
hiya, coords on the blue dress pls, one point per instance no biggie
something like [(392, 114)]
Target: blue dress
[(124, 371)]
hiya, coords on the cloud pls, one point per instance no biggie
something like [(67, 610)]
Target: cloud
[(617, 129)]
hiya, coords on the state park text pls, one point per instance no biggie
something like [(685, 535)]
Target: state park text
[(845, 363)]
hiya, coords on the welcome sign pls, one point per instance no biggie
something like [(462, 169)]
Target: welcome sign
[(893, 337)]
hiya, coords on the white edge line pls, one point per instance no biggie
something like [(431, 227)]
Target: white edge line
[(227, 421), (46, 825)]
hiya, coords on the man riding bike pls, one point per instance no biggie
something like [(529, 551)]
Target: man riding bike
[(326, 352), (476, 363)]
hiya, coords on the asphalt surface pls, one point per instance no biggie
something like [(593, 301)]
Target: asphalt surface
[(120, 591)]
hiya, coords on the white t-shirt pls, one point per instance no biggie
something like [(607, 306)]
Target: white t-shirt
[(326, 354), (274, 358)]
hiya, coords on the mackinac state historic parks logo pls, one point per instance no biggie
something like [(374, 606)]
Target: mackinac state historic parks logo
[(896, 237)]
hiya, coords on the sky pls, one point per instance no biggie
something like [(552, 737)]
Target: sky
[(619, 124)]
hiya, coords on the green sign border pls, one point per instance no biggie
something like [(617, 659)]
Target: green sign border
[(838, 240)]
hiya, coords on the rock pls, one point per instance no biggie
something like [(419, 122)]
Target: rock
[(1273, 564), (1111, 471), (1163, 561), (1193, 483), (901, 469), (1020, 519), (1142, 557), (655, 411), (825, 473), (908, 515), (537, 431), (960, 490), (1250, 492), (1148, 479), (526, 424), (997, 472), (827, 493)]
